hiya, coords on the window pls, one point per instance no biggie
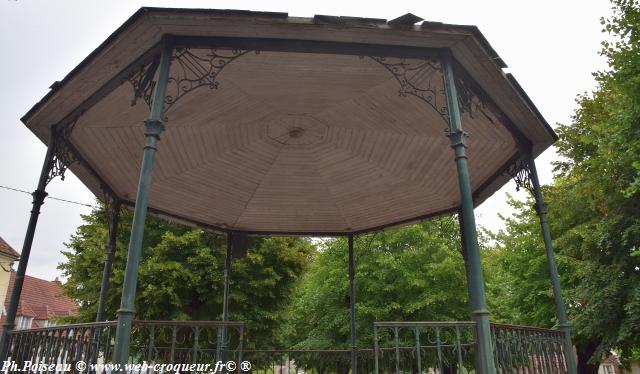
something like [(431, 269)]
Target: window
[(607, 369), (23, 322)]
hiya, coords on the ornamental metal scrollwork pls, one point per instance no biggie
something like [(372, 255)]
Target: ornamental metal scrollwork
[(468, 100), (111, 205), (193, 70), (415, 78), (63, 156), (521, 174), (143, 83)]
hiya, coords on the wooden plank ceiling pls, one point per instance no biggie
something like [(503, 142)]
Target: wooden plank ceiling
[(296, 143)]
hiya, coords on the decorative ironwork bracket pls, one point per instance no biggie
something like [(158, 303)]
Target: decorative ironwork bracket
[(521, 174), (112, 204), (193, 70), (143, 83), (415, 79), (190, 70), (63, 156), (468, 100)]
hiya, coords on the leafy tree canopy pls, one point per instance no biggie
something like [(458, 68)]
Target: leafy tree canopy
[(414, 273), (181, 275), (594, 209)]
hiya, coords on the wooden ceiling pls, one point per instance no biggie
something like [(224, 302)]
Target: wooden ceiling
[(289, 141)]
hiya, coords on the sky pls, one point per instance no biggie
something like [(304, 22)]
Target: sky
[(550, 46)]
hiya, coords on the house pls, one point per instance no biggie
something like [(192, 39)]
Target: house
[(41, 301), (611, 365), (7, 256)]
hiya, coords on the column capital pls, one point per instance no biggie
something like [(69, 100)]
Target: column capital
[(153, 127), (457, 137), (39, 196)]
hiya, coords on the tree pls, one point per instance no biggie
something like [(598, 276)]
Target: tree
[(602, 171), (181, 275), (518, 283), (594, 212), (414, 273)]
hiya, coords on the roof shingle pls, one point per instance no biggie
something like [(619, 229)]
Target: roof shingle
[(41, 299), (6, 249)]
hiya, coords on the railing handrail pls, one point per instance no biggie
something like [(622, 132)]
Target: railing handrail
[(135, 322), (302, 350), (187, 323), (65, 327), (526, 328), (423, 324)]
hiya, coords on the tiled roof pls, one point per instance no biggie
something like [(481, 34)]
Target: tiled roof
[(41, 299), (6, 249)]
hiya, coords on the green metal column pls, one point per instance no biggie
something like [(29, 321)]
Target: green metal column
[(541, 208), (352, 305), (222, 334), (113, 217), (154, 127), (227, 278), (38, 199), (477, 301)]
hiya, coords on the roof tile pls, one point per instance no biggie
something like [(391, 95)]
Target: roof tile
[(41, 299), (6, 249)]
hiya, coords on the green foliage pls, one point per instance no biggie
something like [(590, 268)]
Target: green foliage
[(181, 275), (518, 283), (414, 273), (594, 210), (602, 178)]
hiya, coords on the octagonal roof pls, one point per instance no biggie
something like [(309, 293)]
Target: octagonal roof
[(278, 124)]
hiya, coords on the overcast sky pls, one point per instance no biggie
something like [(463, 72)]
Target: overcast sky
[(550, 46)]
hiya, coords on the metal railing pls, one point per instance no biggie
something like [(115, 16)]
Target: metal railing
[(429, 347), (525, 350), (152, 342), (399, 347), (308, 361)]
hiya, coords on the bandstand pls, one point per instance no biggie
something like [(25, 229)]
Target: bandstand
[(260, 123)]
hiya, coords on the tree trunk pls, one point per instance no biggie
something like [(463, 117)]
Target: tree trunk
[(585, 352), (449, 369)]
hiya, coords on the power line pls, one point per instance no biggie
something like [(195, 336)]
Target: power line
[(49, 197)]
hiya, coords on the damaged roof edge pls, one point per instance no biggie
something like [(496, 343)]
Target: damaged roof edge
[(59, 84), (56, 86), (484, 43), (531, 105)]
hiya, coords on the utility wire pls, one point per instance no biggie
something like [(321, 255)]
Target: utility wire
[(49, 197)]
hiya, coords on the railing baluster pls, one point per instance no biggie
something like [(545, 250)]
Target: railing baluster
[(510, 350), (375, 350), (240, 329), (152, 343), (107, 347), (24, 351), (196, 335), (418, 349), (536, 352), (459, 350), (397, 347), (439, 350), (548, 353), (55, 346), (524, 350), (174, 333)]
